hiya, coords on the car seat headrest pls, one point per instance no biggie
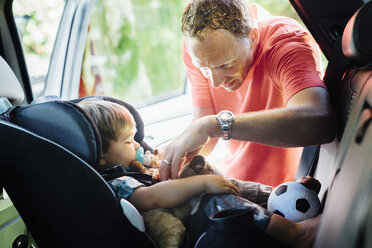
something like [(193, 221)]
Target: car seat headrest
[(357, 36), (9, 84), (64, 123), (139, 136)]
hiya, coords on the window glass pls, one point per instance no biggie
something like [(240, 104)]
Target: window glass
[(279, 8), (37, 22), (133, 50)]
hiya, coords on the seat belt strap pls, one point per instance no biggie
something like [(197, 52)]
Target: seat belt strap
[(308, 162)]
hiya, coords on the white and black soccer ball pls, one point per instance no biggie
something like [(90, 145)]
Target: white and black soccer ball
[(294, 201)]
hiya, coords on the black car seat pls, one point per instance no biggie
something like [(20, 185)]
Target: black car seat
[(347, 217), (47, 154)]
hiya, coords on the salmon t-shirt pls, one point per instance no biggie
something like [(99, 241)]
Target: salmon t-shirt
[(286, 61)]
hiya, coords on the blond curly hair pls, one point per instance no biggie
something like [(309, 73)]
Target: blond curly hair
[(201, 15)]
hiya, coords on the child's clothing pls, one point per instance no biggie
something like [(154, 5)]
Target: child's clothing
[(199, 220), (124, 181), (124, 186)]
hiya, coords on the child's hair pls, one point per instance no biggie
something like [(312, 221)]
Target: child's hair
[(110, 119)]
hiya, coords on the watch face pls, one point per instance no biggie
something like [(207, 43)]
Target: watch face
[(226, 118), (225, 115)]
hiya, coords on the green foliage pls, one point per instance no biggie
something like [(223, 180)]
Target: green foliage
[(279, 8), (141, 45)]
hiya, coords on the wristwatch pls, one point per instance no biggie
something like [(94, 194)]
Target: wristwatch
[(226, 118)]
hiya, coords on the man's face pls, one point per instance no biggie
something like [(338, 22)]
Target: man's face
[(122, 151), (222, 57)]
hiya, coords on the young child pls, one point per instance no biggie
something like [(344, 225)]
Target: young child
[(117, 128)]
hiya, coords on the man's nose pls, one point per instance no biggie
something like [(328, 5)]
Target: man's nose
[(217, 78)]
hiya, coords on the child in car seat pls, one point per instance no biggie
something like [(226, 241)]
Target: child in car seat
[(117, 128)]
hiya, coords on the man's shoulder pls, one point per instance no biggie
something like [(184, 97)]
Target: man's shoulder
[(282, 34), (279, 25)]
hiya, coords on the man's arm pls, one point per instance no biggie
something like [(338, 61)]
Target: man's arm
[(308, 119), (199, 113), (172, 193)]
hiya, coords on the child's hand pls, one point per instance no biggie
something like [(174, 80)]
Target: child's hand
[(218, 185)]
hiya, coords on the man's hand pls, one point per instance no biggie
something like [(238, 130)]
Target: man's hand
[(186, 145)]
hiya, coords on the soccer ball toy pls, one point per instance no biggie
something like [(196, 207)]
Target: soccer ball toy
[(294, 201)]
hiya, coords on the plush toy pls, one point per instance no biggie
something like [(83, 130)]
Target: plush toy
[(295, 201), (166, 226), (148, 159), (151, 160), (138, 167), (146, 163)]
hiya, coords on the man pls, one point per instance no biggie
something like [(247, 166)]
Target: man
[(266, 74)]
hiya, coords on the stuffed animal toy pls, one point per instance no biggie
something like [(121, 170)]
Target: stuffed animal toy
[(151, 160), (297, 200), (166, 226), (138, 167), (148, 159)]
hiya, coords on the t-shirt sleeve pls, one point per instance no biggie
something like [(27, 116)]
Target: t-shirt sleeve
[(296, 64), (124, 186), (201, 95)]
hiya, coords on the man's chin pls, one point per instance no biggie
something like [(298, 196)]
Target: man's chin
[(231, 87)]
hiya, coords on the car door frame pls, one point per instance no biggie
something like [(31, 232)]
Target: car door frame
[(66, 60)]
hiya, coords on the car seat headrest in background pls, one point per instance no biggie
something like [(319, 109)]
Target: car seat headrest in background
[(9, 84), (140, 134), (357, 36), (63, 123)]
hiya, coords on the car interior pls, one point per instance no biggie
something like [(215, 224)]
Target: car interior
[(49, 146)]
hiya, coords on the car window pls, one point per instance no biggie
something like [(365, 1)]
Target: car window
[(37, 22), (133, 51)]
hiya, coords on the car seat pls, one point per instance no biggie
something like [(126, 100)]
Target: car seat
[(47, 154), (347, 217)]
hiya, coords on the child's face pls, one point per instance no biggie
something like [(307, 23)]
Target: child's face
[(122, 151)]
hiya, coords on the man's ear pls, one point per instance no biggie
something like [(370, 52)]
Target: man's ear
[(254, 36)]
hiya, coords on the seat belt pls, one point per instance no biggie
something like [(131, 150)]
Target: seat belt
[(308, 162)]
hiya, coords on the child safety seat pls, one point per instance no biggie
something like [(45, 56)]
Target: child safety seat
[(47, 154)]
